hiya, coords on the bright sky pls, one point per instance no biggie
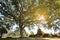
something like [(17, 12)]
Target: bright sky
[(45, 30), (14, 27), (34, 29)]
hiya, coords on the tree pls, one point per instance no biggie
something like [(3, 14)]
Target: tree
[(29, 12)]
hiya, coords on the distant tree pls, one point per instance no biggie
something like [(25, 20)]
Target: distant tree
[(39, 33)]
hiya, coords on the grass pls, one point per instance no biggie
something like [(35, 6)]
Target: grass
[(30, 38)]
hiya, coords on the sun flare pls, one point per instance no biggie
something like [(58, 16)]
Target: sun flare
[(41, 18)]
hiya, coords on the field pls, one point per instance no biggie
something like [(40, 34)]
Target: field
[(30, 39)]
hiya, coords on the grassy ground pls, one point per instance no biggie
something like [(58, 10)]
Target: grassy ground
[(53, 38), (47, 38), (31, 39)]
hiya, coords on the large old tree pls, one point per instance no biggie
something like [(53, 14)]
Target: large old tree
[(29, 12)]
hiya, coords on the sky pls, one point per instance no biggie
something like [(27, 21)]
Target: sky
[(45, 30)]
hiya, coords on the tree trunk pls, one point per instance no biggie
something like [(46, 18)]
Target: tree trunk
[(21, 31), (16, 2), (21, 27)]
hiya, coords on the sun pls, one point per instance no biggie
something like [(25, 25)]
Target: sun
[(41, 17)]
